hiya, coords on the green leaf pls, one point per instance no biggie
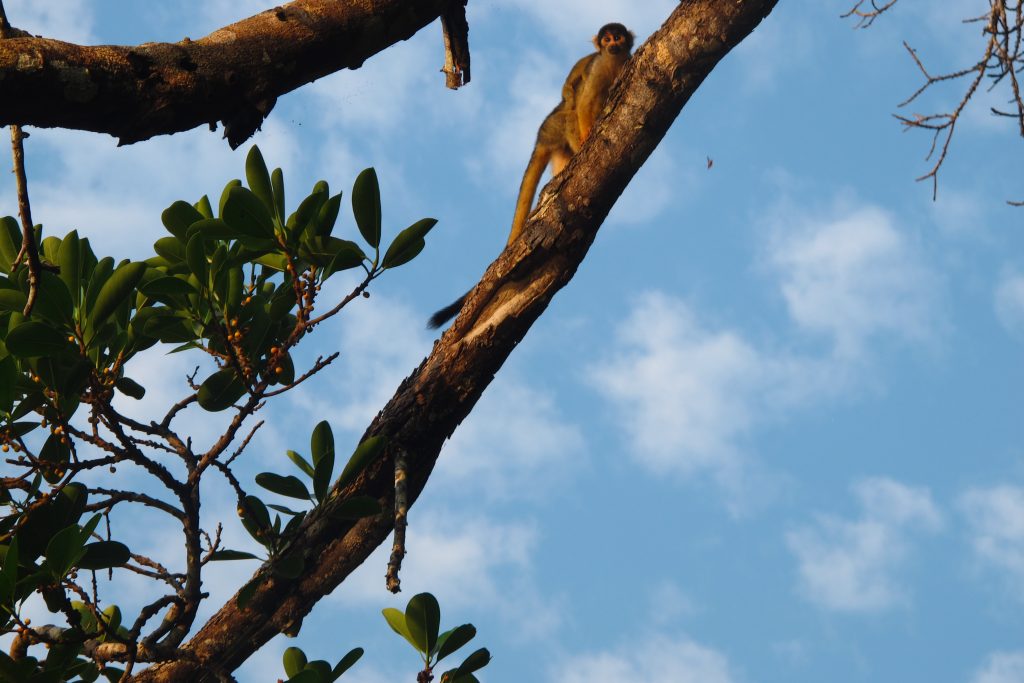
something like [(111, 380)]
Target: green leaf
[(321, 442), (70, 262), (178, 217), (195, 257), (33, 339), (448, 677), (256, 520), (220, 390), (8, 375), (408, 244), (322, 448), (322, 478), (64, 550), (227, 555), (203, 207), (167, 289), (277, 183), (346, 255), (12, 300), (258, 178), (212, 229), (170, 248), (286, 486), (224, 195), (474, 662), (115, 291), (246, 592), (104, 555), (56, 454), (306, 676), (364, 454), (294, 659), (346, 662), (328, 215), (255, 510), (300, 462), (53, 301), (290, 566), (112, 619), (356, 507), (244, 212), (285, 510), (366, 206), (450, 641), (49, 248), (322, 669), (99, 276), (304, 220), (10, 242), (423, 619), (396, 620), (9, 572), (275, 261), (287, 371), (130, 388)]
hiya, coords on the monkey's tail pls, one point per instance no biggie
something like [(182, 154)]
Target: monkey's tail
[(538, 161), (446, 313)]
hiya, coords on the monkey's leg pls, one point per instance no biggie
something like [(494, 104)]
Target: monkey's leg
[(558, 161)]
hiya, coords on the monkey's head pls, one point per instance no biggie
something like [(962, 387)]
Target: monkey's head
[(614, 38)]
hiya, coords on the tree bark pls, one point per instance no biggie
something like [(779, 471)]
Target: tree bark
[(515, 290), (234, 75)]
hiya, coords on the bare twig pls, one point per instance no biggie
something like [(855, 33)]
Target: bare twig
[(1001, 61), (866, 17), (456, 45), (392, 581)]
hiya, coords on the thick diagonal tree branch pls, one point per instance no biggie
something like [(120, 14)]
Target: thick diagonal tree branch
[(514, 291), (234, 75)]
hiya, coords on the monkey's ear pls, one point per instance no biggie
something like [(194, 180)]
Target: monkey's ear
[(596, 40)]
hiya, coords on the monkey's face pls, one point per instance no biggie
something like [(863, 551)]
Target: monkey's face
[(614, 39)]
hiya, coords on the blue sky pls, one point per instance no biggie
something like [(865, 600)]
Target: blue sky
[(770, 432)]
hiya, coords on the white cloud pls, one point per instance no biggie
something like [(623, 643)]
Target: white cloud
[(114, 195), (996, 519), (849, 565), (659, 182), (536, 85), (1009, 303), (513, 445), (383, 92), (470, 563), (687, 396), (774, 48), (70, 20), (574, 22), (1001, 667), (656, 660), (852, 275), (380, 340), (959, 213), (217, 13), (668, 603), (681, 389)]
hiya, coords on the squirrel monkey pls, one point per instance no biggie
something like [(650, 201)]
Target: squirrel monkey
[(583, 97), (562, 133)]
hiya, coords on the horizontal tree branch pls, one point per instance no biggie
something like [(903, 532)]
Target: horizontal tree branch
[(233, 76), (515, 290)]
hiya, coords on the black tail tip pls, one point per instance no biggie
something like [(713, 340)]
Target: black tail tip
[(446, 313)]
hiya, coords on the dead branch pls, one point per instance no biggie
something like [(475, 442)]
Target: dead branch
[(1001, 61), (233, 76)]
